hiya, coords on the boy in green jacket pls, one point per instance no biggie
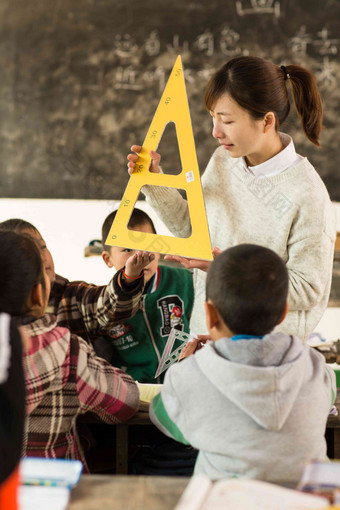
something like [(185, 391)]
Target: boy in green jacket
[(166, 303)]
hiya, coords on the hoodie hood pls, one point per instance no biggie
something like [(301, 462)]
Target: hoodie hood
[(262, 377)]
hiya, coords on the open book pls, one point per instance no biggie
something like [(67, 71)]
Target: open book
[(243, 494), (146, 394)]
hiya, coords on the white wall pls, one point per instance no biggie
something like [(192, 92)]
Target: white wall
[(69, 225)]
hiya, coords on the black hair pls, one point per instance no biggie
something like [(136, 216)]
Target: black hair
[(21, 268), (17, 225), (138, 217), (260, 86), (248, 285)]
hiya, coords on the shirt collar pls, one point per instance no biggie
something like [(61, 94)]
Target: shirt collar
[(245, 337), (278, 163)]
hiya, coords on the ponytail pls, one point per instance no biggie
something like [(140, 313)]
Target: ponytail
[(307, 101), (259, 86)]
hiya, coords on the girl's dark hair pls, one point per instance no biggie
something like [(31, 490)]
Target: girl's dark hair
[(17, 225), (21, 268), (248, 285), (259, 86)]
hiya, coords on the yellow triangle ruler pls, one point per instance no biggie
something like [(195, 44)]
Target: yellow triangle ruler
[(173, 107)]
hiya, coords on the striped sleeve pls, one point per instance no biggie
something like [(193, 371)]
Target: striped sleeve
[(88, 309), (332, 382), (166, 411)]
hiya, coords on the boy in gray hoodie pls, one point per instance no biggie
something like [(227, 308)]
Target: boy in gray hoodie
[(254, 403)]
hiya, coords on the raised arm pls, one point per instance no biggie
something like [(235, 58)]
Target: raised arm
[(88, 310)]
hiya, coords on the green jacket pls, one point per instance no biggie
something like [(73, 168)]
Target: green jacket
[(166, 303)]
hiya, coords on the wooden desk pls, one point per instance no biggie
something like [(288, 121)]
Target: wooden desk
[(111, 492), (333, 432), (122, 435), (142, 418), (122, 440)]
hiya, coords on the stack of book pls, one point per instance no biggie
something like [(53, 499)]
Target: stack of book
[(47, 483)]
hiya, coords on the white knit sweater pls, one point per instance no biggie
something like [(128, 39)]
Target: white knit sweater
[(291, 213)]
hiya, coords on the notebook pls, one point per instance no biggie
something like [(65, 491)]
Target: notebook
[(243, 494)]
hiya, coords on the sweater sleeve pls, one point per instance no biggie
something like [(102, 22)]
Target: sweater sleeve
[(102, 389), (310, 256), (171, 208), (166, 411)]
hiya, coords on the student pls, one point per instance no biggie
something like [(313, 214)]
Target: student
[(86, 309), (257, 189), (166, 303), (244, 399), (12, 407), (63, 376)]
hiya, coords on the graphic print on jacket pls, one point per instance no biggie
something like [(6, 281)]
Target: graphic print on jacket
[(139, 342), (172, 310)]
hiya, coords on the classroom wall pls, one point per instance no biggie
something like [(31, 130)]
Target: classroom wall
[(80, 81), (69, 225)]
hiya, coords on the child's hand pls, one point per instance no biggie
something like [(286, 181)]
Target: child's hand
[(132, 158), (136, 262), (194, 345)]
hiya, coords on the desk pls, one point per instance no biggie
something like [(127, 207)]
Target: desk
[(122, 440), (121, 435), (333, 432), (111, 492), (142, 418)]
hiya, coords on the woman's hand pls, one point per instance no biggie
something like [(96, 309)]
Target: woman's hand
[(189, 263), (194, 263), (132, 158), (136, 263), (194, 345)]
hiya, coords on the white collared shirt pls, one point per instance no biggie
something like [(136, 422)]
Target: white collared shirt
[(285, 159)]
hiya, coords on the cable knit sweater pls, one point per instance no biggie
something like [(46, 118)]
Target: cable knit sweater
[(291, 213)]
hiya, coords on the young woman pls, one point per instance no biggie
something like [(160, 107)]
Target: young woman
[(257, 189)]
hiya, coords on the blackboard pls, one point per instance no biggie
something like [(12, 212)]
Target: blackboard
[(80, 81)]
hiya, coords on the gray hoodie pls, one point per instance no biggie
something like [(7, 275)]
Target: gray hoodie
[(254, 408)]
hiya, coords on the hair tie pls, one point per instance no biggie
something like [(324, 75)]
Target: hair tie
[(284, 69)]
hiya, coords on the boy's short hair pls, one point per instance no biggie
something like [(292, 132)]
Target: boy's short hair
[(248, 285), (138, 217)]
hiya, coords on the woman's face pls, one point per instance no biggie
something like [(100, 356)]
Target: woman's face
[(237, 131)]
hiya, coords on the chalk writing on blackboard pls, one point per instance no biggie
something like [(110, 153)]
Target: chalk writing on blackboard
[(125, 46), (153, 44), (205, 42), (326, 45), (325, 75), (258, 7), (69, 101), (176, 47), (299, 42)]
